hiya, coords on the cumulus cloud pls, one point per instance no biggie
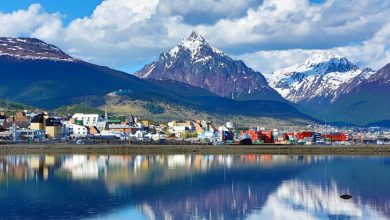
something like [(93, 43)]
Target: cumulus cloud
[(27, 22), (267, 34), (118, 30)]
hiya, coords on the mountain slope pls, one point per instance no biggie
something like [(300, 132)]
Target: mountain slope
[(366, 103), (196, 63), (41, 75), (193, 103), (203, 100), (320, 80), (46, 83)]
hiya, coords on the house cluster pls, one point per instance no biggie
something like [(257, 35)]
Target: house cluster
[(314, 135), (44, 126)]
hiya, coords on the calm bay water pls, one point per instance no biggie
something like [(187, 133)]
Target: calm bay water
[(193, 187)]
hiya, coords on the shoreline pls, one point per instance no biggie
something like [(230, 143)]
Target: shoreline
[(195, 149)]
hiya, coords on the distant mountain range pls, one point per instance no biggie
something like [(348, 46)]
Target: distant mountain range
[(198, 76), (333, 89), (327, 86), (42, 75)]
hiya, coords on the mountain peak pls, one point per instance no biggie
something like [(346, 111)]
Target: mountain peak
[(323, 56), (194, 42), (196, 45), (325, 62), (196, 36)]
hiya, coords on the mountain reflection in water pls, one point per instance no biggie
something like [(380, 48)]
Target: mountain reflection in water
[(193, 187)]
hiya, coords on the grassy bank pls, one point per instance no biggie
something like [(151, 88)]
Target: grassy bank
[(194, 149)]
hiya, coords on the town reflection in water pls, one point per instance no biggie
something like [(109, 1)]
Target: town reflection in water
[(193, 187)]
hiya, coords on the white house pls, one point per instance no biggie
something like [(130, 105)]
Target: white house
[(77, 130), (91, 120), (87, 119)]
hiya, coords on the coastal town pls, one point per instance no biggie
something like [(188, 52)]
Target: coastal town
[(79, 128)]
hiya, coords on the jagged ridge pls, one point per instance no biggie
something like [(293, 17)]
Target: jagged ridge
[(196, 63)]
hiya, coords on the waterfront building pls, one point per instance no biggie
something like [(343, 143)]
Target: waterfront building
[(31, 134), (52, 126), (86, 119), (38, 122), (77, 131), (90, 120)]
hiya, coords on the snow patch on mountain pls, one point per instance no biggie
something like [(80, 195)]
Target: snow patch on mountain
[(31, 49), (194, 44)]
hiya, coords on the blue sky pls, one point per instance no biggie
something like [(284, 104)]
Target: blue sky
[(71, 9), (266, 34)]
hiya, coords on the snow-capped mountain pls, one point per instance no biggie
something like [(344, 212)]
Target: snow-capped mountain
[(322, 79), (32, 49), (196, 63)]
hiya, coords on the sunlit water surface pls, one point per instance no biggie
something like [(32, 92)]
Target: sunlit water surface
[(193, 187)]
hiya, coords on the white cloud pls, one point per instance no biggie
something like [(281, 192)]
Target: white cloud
[(113, 17), (26, 22), (267, 34), (118, 32), (49, 29)]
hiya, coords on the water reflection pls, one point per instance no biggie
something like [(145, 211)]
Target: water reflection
[(193, 187), (310, 201)]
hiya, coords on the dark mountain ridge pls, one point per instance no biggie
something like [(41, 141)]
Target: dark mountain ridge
[(368, 102)]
